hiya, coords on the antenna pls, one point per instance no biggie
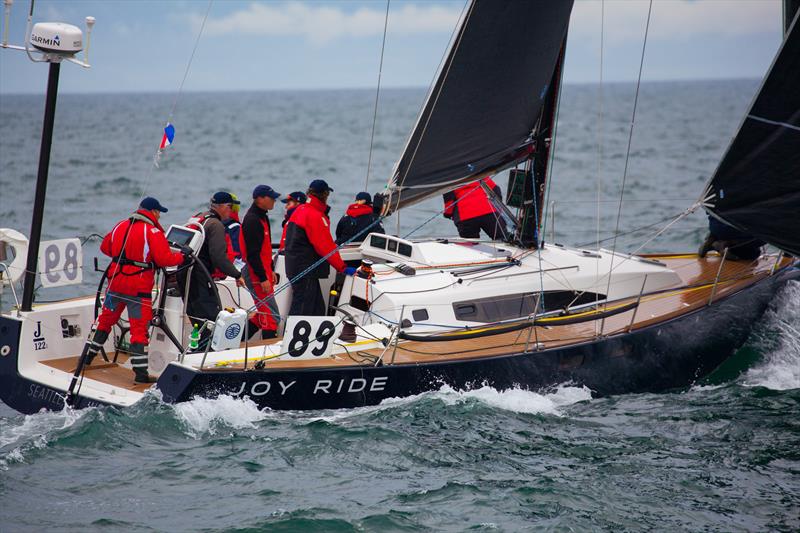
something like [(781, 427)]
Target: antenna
[(6, 16), (51, 42), (89, 26)]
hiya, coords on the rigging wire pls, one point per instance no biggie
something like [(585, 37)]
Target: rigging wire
[(149, 175), (599, 143), (630, 139), (377, 95)]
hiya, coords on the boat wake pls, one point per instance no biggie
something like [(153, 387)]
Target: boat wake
[(779, 342)]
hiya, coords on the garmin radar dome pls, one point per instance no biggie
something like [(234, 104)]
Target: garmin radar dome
[(57, 38)]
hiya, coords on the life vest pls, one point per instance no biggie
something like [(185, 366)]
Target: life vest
[(137, 247), (357, 218), (469, 201)]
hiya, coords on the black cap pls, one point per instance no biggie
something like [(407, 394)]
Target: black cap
[(151, 204), (319, 186), (223, 197), (364, 196), (297, 196), (265, 190)]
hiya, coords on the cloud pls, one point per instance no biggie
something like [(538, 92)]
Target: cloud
[(320, 24), (676, 19)]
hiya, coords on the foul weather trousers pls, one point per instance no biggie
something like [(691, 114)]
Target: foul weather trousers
[(265, 304), (140, 311), (471, 228)]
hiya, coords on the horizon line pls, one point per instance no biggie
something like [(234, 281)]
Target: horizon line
[(356, 88)]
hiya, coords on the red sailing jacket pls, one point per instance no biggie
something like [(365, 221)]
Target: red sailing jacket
[(145, 243), (262, 240), (474, 202), (307, 238)]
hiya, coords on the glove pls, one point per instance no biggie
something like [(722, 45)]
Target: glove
[(187, 260), (349, 271)]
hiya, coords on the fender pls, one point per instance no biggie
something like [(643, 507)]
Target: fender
[(19, 242)]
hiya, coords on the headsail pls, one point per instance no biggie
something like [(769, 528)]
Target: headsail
[(483, 108), (756, 187)]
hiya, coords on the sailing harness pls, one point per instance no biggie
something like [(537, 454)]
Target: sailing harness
[(123, 260)]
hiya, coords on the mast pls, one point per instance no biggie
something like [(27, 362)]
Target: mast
[(41, 186), (45, 42), (544, 141)]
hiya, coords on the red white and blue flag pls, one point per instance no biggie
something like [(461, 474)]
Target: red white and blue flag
[(169, 135)]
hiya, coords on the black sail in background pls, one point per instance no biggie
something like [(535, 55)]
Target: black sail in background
[(481, 111), (756, 187)]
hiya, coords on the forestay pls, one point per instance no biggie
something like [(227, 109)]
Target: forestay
[(481, 112), (756, 187)]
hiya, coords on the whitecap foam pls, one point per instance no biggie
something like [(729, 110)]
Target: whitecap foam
[(520, 400), (205, 415), (780, 367), (31, 431)]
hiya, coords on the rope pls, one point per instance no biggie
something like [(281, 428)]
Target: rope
[(599, 144), (630, 139), (377, 94)]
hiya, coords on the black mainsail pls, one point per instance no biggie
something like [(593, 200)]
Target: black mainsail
[(481, 113), (756, 187)]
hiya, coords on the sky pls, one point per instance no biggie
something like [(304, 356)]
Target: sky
[(144, 45)]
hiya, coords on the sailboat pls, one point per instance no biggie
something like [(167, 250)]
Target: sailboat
[(423, 313)]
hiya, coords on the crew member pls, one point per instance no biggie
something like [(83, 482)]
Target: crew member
[(292, 200), (740, 245), (256, 245), (202, 300), (470, 209), (308, 240), (137, 247), (358, 217), (233, 227)]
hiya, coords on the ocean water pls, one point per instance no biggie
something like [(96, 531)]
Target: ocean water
[(722, 455)]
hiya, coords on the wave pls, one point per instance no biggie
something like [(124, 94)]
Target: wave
[(779, 341), (207, 416), (17, 439), (519, 400)]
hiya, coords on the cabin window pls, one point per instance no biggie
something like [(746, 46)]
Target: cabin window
[(519, 305), (392, 245), (377, 241), (420, 315), (404, 249), (359, 303)]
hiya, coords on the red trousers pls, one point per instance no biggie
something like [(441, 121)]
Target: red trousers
[(140, 311), (264, 317)]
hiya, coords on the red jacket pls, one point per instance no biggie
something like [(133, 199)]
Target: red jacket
[(469, 201), (145, 243), (308, 238)]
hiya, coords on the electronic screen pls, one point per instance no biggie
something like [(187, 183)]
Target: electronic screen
[(180, 236)]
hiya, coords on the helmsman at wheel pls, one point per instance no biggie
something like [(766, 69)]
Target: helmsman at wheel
[(138, 247)]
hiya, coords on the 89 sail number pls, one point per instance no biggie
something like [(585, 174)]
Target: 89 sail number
[(309, 337)]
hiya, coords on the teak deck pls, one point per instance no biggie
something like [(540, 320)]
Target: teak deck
[(698, 276), (110, 373)]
